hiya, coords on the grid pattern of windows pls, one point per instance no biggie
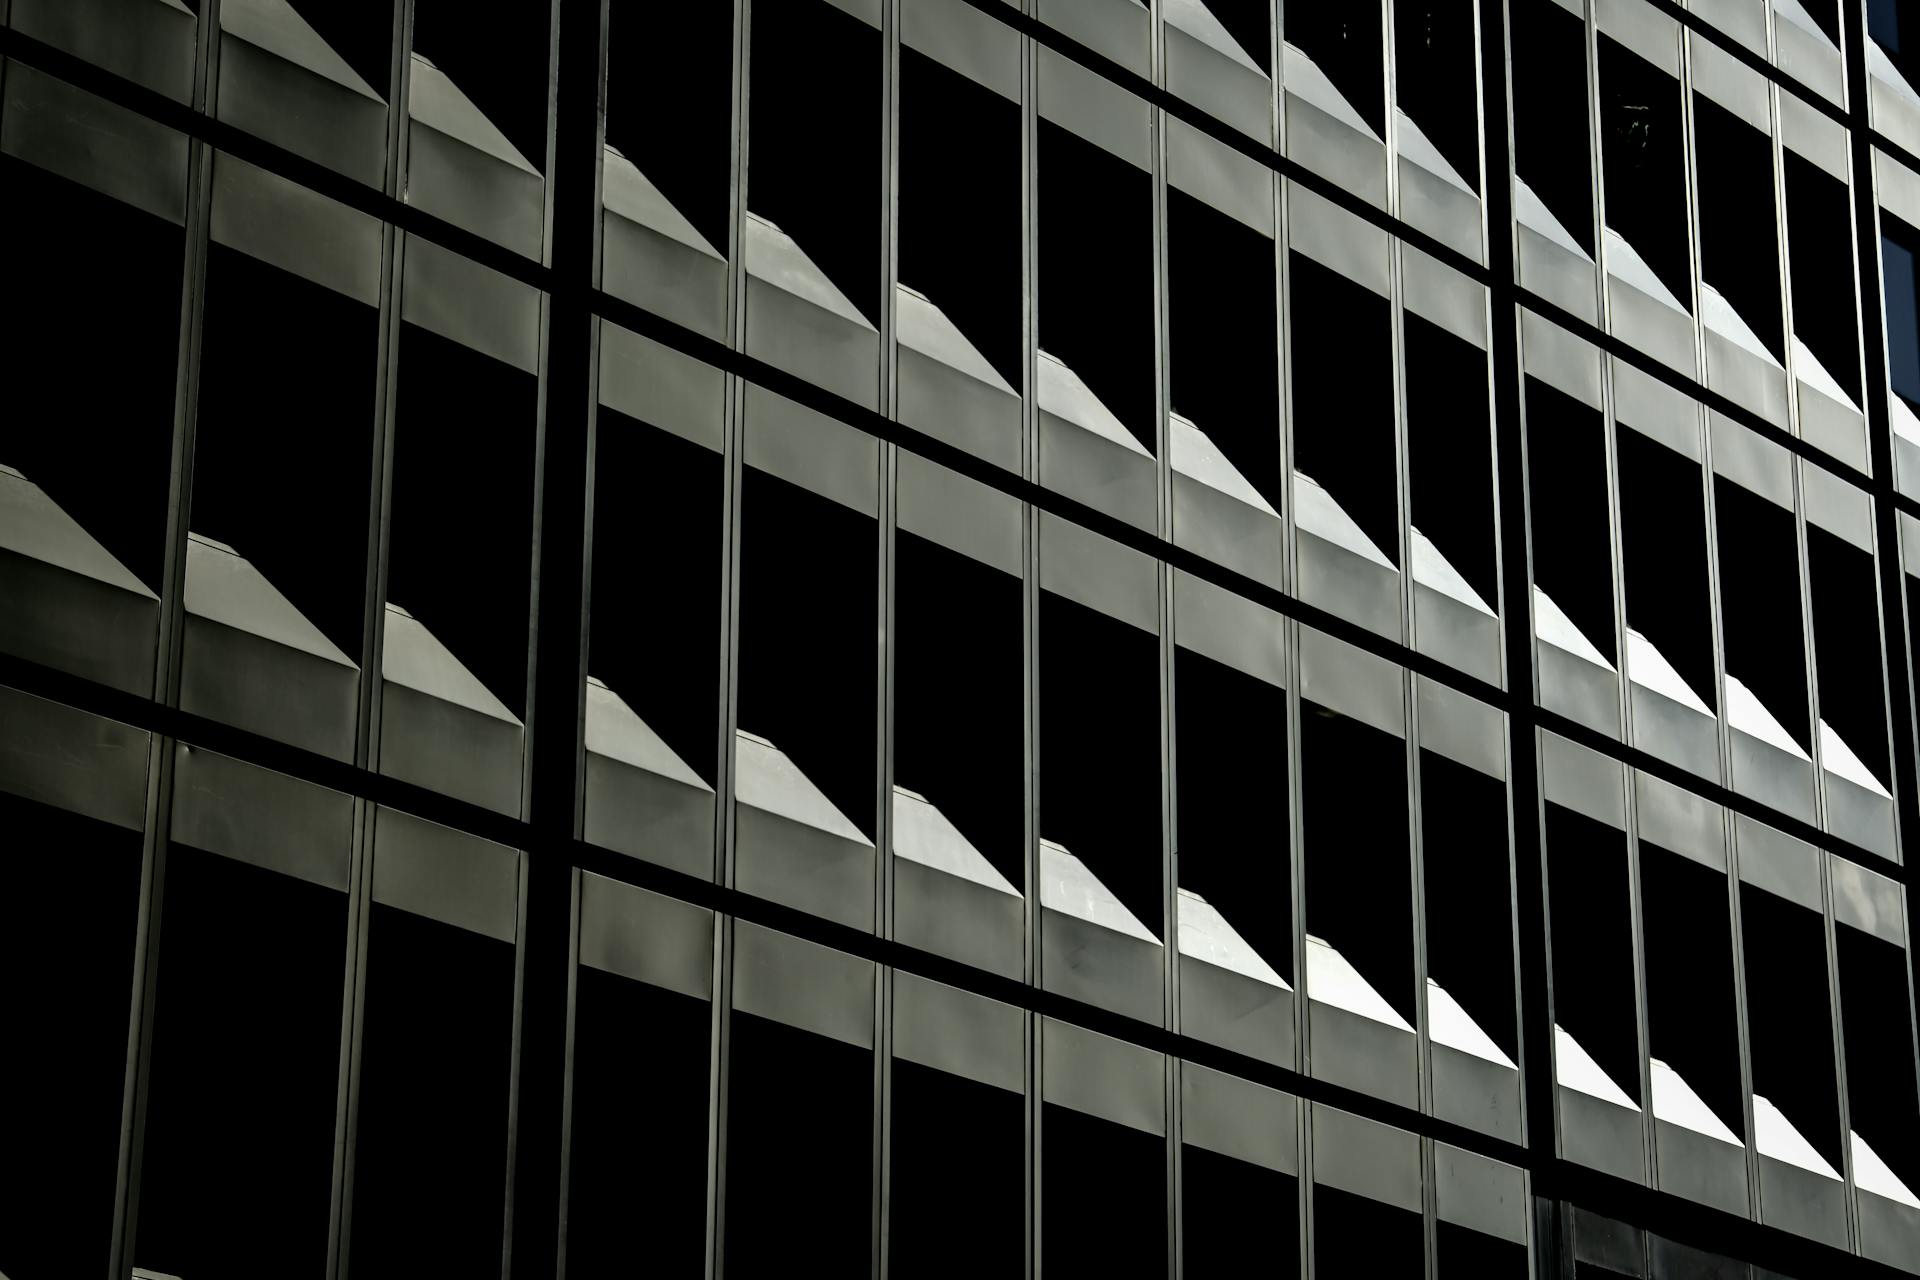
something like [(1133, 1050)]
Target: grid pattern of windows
[(957, 637)]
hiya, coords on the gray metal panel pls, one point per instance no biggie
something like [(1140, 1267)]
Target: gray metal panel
[(76, 622), (1813, 136), (641, 798), (1462, 729), (958, 1032), (1867, 900), (1229, 628), (1100, 1076), (1777, 862), (1651, 325), (454, 175), (472, 305), (645, 936), (445, 875), (1237, 1118), (1563, 276), (1578, 689), (1809, 57), (1602, 1135), (1746, 379), (1803, 1202), (148, 41), (803, 984), (1456, 633), (450, 748), (1838, 429), (1360, 1053), (1889, 1231), (1469, 1090), (1098, 572), (642, 265), (1751, 461), (818, 453), (958, 512), (1675, 732), (1655, 410), (1225, 87), (1680, 821), (959, 918), (1337, 239), (1220, 176), (301, 108), (1367, 1158), (267, 217), (1095, 109), (1331, 146), (1480, 1194), (1861, 816), (1430, 203), (1084, 961), (1236, 1012), (1218, 525), (1357, 588), (1702, 1169), (1725, 80), (966, 40), (1763, 771), (800, 865), (253, 815), (1744, 20), (661, 387), (1353, 682), (799, 321), (1641, 28), (1116, 29), (1837, 506), (1559, 359), (49, 123), (1582, 780), (1436, 292), (72, 760)]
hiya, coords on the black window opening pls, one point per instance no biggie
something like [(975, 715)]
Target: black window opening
[(1739, 232), (814, 119), (1344, 41), (1590, 906), (69, 951), (1103, 1198), (1100, 750), (1095, 274), (1359, 871), (959, 206), (1469, 894), (292, 500), (1461, 1253), (1901, 272), (74, 249), (799, 1173), (1356, 1237), (654, 627), (1876, 1015), (1343, 397), (1550, 112), (1692, 1010), (500, 62), (1790, 1016), (1846, 648), (808, 638), (1230, 751), (1820, 270), (1898, 39), (430, 1157), (1450, 453), (238, 1156), (1234, 1211), (1223, 338), (1643, 155), (670, 103), (1663, 549), (362, 34), (460, 556), (1760, 603), (958, 1203), (639, 1135), (959, 718), (1436, 78), (1568, 505)]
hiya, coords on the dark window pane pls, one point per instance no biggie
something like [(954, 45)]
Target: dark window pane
[(1356, 1238), (959, 1179), (1104, 1199), (1236, 1218)]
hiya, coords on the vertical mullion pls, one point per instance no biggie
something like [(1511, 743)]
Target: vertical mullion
[(161, 747), (1031, 1024)]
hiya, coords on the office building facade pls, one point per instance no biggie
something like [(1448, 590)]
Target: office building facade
[(959, 638)]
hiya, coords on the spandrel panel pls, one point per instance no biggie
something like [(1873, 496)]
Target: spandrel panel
[(654, 643), (1334, 77), (312, 77), (73, 955), (958, 299)]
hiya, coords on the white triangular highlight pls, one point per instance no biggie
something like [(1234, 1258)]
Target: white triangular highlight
[(1675, 1102), (1194, 18), (1453, 1026), (1870, 1173), (1552, 625), (632, 195), (1625, 264), (1775, 1136), (1065, 395), (1838, 759), (1206, 935), (437, 102), (1316, 511), (924, 327), (1432, 569), (1746, 713), (223, 586), (1881, 65), (1649, 668), (1718, 315), (274, 26), (1332, 980), (1066, 885), (1195, 454), (1537, 218), (1576, 1070), (1305, 80), (414, 657), (616, 731), (923, 834), (767, 779), (33, 525), (1808, 369), (1906, 424), (1417, 147), (777, 258)]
